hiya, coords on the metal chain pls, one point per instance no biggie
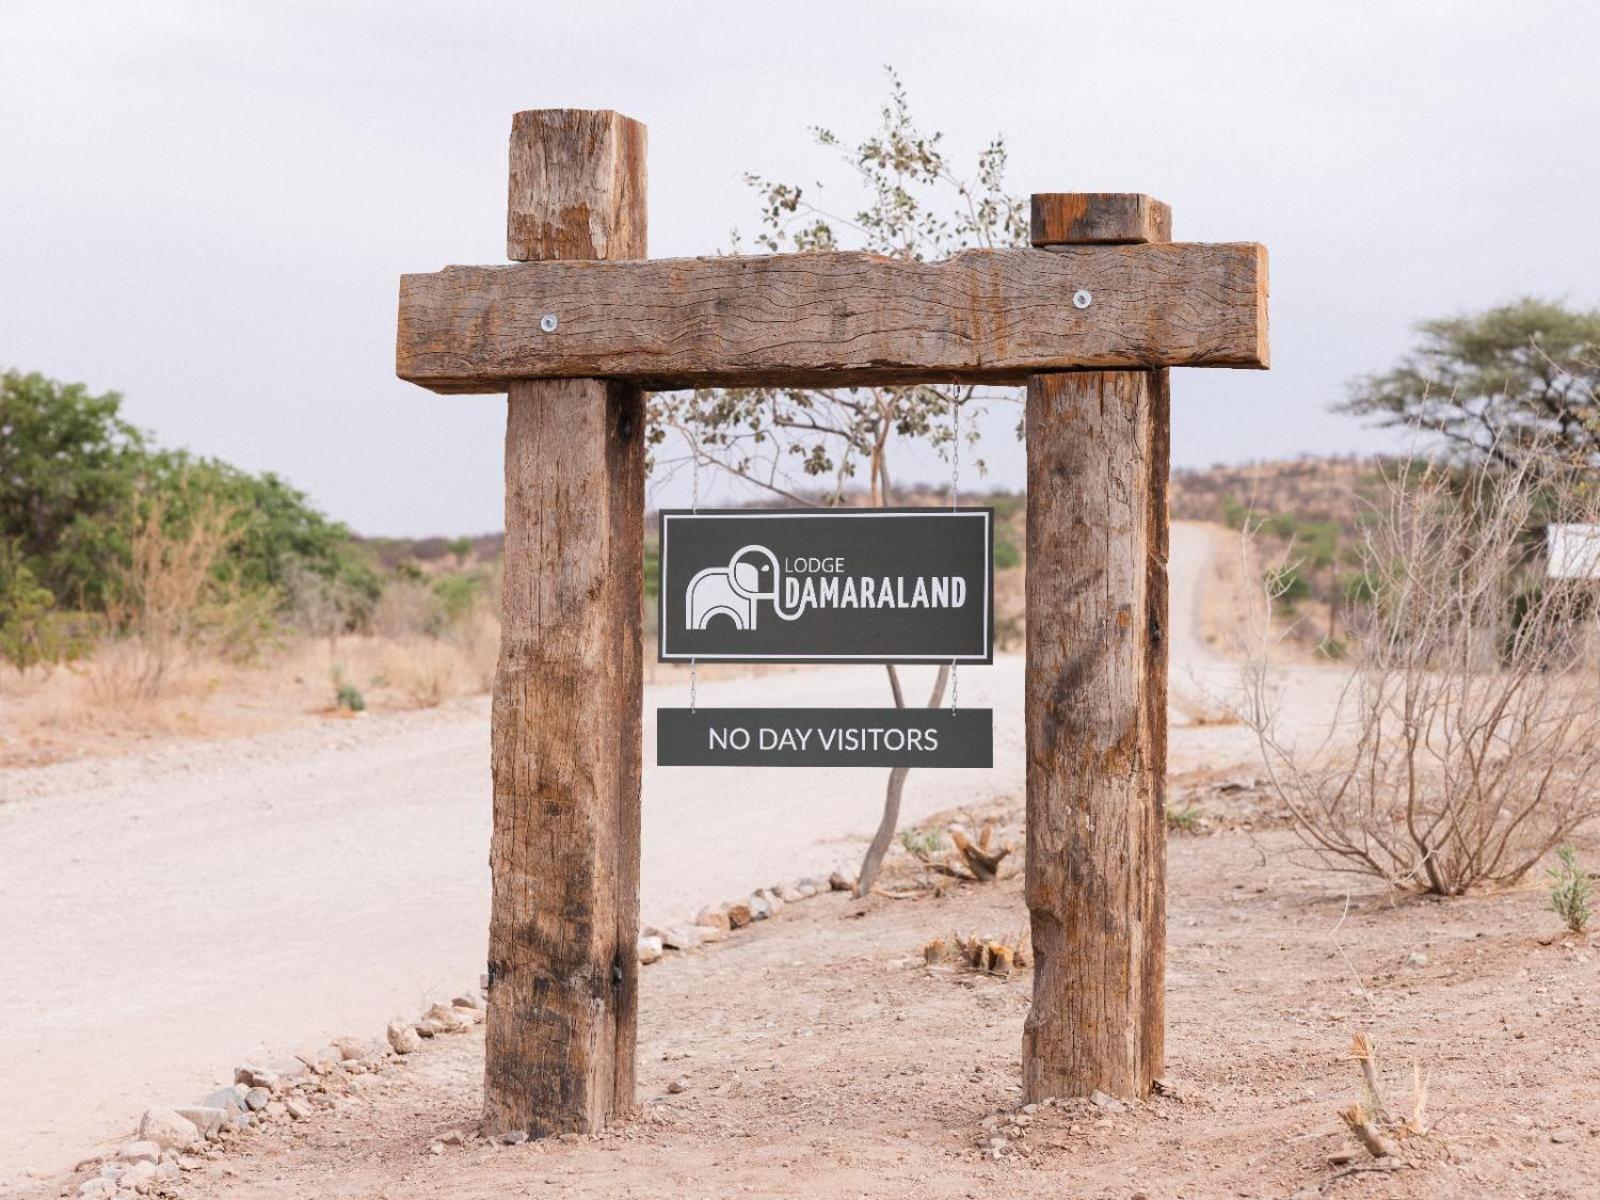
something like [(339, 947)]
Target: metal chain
[(955, 488), (694, 508)]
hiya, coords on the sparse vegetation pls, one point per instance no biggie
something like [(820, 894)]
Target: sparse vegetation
[(1184, 819), (1467, 741), (1571, 892)]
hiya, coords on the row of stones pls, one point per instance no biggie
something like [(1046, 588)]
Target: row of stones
[(172, 1141), (715, 922)]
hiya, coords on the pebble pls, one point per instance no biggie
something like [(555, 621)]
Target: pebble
[(167, 1128), (739, 914), (188, 1162), (649, 949), (774, 901), (760, 907), (257, 1099), (140, 1152), (467, 1000), (515, 1138), (351, 1048), (138, 1173), (1564, 1135), (206, 1119), (788, 893), (454, 1138), (839, 883), (1109, 1103), (711, 933), (715, 917), (98, 1186), (1417, 959), (403, 1038), (229, 1099), (274, 1110), (681, 937), (677, 1086), (297, 1108), (258, 1077)]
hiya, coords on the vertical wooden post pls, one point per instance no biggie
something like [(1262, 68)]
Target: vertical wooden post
[(1096, 700), (567, 733)]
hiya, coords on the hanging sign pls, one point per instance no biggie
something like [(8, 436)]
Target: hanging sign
[(824, 737), (865, 585)]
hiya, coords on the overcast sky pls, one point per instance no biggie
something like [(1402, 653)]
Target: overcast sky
[(207, 205)]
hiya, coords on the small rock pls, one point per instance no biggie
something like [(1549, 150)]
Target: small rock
[(472, 1016), (760, 907), (714, 917), (258, 1077), (297, 1108), (207, 1120), (140, 1152), (1107, 1103), (1564, 1135), (351, 1048), (403, 1038), (1417, 959), (166, 1172), (649, 949), (257, 1099), (274, 1110), (290, 1069), (710, 933), (228, 1099), (810, 886), (454, 1138), (739, 915), (137, 1174), (678, 1086), (453, 1020), (167, 1128), (188, 1162), (325, 1060), (515, 1138), (681, 937), (788, 893), (98, 1186), (467, 1000), (775, 901), (244, 1120), (1167, 1086), (428, 1027), (839, 883)]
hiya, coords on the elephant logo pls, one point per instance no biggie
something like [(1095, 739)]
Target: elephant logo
[(734, 591)]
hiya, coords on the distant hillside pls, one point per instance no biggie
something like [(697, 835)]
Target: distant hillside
[(1307, 489)]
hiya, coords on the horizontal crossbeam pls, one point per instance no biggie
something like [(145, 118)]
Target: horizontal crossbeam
[(836, 319)]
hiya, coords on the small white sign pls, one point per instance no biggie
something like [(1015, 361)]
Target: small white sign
[(1574, 551)]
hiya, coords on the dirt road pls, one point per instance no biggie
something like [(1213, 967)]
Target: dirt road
[(168, 915)]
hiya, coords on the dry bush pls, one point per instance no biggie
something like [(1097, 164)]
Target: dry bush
[(168, 602), (1466, 743)]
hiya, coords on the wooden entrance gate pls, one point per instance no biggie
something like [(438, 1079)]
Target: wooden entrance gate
[(1088, 320)]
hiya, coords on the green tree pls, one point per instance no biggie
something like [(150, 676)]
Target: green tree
[(68, 461), (1495, 383)]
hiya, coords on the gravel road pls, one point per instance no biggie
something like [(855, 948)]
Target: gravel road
[(167, 915)]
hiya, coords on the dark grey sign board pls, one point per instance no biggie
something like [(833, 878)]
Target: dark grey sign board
[(824, 737), (864, 585)]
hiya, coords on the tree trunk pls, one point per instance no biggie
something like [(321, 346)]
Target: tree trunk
[(873, 862)]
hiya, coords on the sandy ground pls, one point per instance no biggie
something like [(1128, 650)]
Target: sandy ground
[(822, 1058), (168, 914)]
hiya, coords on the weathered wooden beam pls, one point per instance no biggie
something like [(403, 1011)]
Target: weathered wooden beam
[(1095, 848), (1098, 218), (1096, 718), (835, 320), (566, 739)]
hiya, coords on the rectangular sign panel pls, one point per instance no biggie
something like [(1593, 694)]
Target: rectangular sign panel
[(867, 585), (824, 737)]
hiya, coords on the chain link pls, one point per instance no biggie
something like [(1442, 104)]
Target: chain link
[(694, 508), (955, 490)]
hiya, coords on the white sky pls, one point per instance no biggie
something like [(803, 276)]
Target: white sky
[(207, 205)]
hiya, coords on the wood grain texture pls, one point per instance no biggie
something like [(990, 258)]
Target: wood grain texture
[(1105, 218), (566, 754), (577, 185), (566, 728), (1095, 720), (835, 319)]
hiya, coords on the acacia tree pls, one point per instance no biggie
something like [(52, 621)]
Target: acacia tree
[(817, 446), (1497, 384)]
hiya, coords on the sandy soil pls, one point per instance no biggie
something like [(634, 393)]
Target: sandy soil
[(823, 1058), (167, 914)]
